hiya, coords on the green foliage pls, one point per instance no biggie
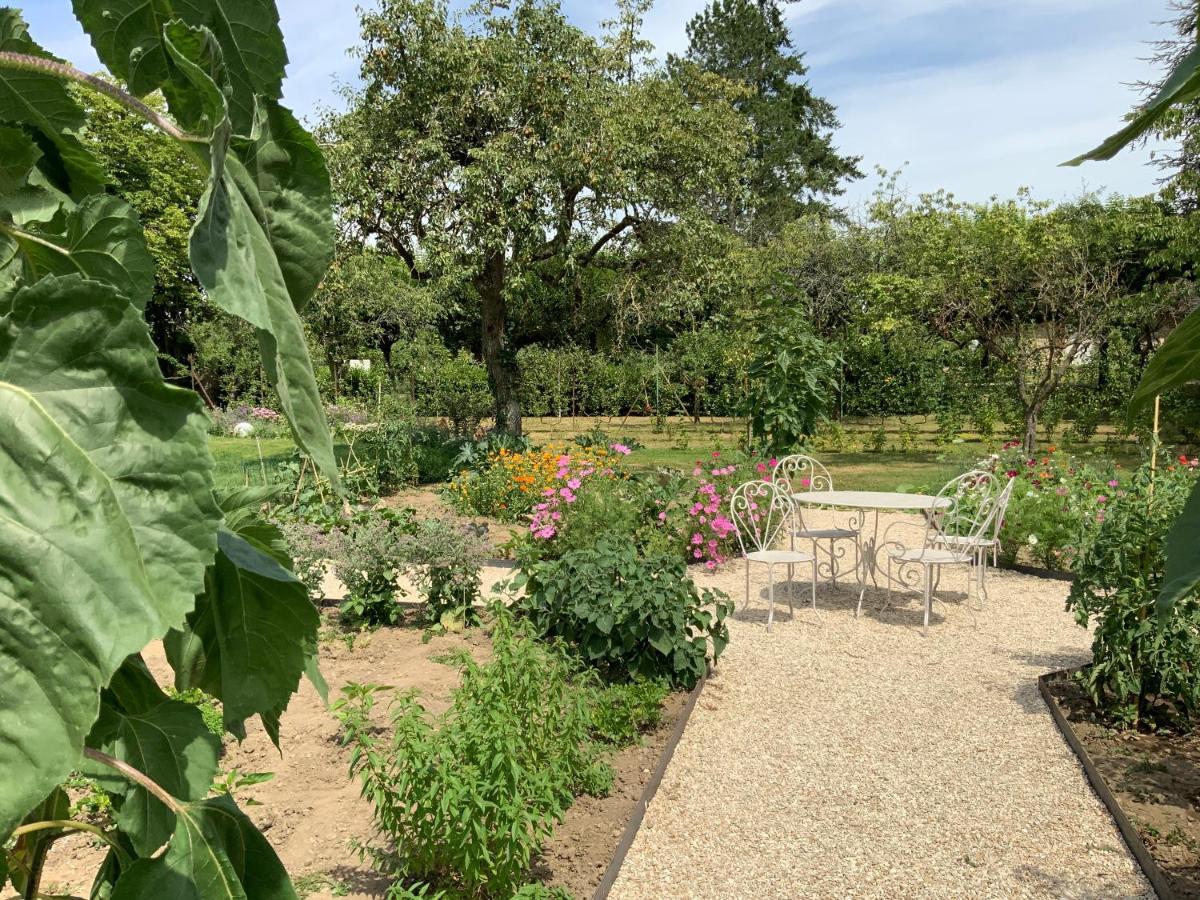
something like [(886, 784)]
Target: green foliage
[(456, 387), (1143, 666), (465, 800), (367, 561), (796, 163), (627, 614), (791, 386), (210, 709), (444, 560), (623, 712), (111, 461)]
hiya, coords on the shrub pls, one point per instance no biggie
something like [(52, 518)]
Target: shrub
[(368, 559), (1143, 671), (791, 386), (404, 453), (466, 800), (627, 614), (456, 387), (444, 560)]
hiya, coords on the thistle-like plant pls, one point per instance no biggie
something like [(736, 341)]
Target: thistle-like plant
[(111, 535)]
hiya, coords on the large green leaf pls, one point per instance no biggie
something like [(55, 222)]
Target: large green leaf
[(255, 239), (216, 853), (41, 102), (253, 633), (108, 517), (1183, 555), (127, 37), (18, 156), (101, 238), (162, 738), (1182, 86)]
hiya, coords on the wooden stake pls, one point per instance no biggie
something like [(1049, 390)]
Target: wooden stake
[(1154, 444)]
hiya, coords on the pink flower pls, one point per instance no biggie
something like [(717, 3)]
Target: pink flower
[(710, 565), (564, 461), (620, 448), (760, 468), (567, 494), (573, 484), (1100, 517), (696, 472), (662, 517), (1114, 483), (548, 492), (1101, 499), (716, 454), (697, 553), (772, 462)]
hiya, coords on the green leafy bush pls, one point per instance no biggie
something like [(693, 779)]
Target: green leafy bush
[(368, 559), (1143, 670), (627, 614), (791, 386), (465, 800), (444, 560)]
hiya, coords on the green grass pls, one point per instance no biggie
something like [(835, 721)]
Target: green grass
[(237, 459)]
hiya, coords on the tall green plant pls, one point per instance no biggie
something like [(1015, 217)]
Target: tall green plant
[(791, 385), (1177, 361), (111, 536)]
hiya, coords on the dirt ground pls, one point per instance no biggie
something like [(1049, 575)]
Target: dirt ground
[(1155, 778), (311, 810)]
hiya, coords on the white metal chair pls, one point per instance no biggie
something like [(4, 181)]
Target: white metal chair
[(760, 510), (974, 499), (798, 474), (975, 518)]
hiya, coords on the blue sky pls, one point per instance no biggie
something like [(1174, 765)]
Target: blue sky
[(977, 96)]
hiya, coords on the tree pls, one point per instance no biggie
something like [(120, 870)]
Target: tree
[(551, 154), (368, 301), (1180, 125), (1024, 282), (796, 167)]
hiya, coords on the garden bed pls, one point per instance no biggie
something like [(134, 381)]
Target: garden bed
[(1149, 782), (311, 810)]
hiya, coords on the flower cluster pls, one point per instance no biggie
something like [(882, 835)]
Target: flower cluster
[(1057, 503), (569, 477), (510, 482), (704, 526), (264, 413)]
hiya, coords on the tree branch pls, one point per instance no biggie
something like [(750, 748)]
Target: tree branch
[(627, 222)]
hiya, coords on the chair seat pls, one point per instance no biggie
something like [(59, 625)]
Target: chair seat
[(821, 534), (965, 540), (929, 556), (779, 556)]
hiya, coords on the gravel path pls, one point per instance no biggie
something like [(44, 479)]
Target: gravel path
[(835, 757)]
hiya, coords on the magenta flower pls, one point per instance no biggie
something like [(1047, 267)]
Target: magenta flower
[(620, 448), (1114, 483), (573, 484)]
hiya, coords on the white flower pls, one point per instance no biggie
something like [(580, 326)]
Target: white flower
[(1030, 494), (1033, 540)]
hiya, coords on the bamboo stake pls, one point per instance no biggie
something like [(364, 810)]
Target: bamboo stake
[(1154, 444)]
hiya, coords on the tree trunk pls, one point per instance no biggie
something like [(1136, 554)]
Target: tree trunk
[(1029, 441), (498, 356)]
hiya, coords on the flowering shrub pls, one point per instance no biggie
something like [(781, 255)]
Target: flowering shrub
[(511, 484)]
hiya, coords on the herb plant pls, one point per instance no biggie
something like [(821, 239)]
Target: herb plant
[(112, 535), (466, 800)]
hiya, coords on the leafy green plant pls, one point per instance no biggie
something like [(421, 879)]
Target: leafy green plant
[(791, 385), (210, 709), (368, 559), (465, 800), (626, 614), (444, 560), (623, 711), (99, 452), (1143, 670)]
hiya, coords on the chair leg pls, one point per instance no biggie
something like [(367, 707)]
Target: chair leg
[(770, 595), (833, 560), (928, 600), (746, 605), (814, 583), (983, 593)]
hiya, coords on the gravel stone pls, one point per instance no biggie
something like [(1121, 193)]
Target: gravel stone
[(844, 757)]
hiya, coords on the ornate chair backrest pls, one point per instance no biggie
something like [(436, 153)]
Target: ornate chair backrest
[(798, 474), (1001, 508), (760, 510), (966, 505)]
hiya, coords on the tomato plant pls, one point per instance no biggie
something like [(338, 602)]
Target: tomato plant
[(111, 534)]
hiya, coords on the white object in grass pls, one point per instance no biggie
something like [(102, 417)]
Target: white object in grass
[(243, 429)]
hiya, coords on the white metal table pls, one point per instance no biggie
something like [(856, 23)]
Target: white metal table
[(862, 503)]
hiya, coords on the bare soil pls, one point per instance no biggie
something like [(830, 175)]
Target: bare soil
[(311, 810), (1156, 780)]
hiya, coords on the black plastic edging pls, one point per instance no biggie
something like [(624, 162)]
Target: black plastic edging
[(648, 792), (1132, 839), (1056, 574)]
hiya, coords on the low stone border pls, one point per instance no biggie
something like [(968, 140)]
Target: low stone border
[(648, 792), (1132, 839)]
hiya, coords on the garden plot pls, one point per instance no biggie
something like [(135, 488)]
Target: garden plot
[(837, 756), (311, 810)]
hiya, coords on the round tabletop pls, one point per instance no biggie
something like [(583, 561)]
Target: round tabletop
[(871, 499)]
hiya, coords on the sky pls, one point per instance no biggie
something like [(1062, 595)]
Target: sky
[(979, 97)]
